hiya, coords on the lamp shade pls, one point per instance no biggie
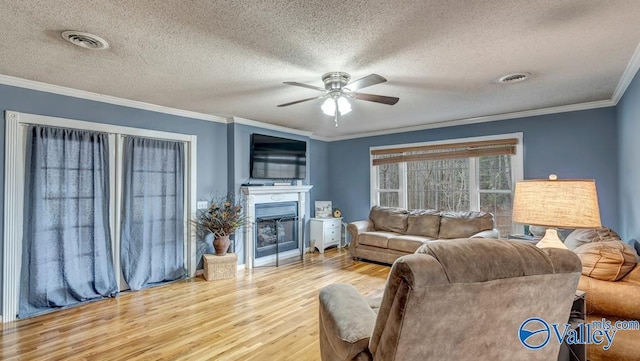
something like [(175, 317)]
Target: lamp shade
[(562, 203)]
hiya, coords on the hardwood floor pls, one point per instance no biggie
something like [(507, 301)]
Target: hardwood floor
[(264, 314)]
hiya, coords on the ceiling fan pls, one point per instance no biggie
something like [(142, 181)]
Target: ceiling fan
[(337, 90)]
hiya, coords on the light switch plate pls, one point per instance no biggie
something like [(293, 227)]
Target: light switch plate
[(203, 205)]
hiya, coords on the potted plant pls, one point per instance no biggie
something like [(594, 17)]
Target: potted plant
[(222, 218)]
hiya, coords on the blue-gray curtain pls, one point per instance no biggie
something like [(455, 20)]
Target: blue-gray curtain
[(66, 255), (153, 221)]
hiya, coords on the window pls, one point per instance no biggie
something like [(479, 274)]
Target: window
[(475, 174)]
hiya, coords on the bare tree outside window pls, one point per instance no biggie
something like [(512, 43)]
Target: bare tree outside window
[(495, 187), (389, 185), (438, 184), (445, 184)]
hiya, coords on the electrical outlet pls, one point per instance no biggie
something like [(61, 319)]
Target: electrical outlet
[(203, 205)]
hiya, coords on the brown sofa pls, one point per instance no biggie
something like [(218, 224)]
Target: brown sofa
[(611, 293), (463, 300), (393, 232)]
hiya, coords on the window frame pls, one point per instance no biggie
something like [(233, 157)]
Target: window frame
[(517, 165)]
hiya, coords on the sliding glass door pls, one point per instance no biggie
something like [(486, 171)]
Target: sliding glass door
[(92, 209), (67, 242), (152, 232)]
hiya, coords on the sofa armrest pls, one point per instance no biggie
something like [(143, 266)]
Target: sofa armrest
[(357, 227), (346, 322), (490, 233), (617, 298)]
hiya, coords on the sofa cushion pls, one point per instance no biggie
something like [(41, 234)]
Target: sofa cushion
[(464, 224), (607, 261), (423, 223), (389, 219), (407, 243), (376, 239), (583, 236)]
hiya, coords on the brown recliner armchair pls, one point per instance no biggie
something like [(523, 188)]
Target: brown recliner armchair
[(611, 292), (614, 301), (453, 301)]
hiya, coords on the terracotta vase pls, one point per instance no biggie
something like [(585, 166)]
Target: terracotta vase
[(221, 245)]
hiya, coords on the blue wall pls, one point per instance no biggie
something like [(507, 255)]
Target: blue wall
[(319, 156), (629, 164), (580, 144)]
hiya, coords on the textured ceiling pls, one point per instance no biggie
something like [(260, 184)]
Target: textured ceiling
[(229, 58)]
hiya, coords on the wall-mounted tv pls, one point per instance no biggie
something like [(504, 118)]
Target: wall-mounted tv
[(277, 158)]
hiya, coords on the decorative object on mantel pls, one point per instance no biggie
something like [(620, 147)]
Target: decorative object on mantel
[(323, 209), (554, 203), (222, 218)]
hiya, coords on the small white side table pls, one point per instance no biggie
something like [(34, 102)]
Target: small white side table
[(325, 232)]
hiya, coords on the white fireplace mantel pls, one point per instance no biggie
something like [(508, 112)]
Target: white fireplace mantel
[(249, 190), (270, 194)]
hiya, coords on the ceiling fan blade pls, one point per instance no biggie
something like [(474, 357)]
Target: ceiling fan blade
[(368, 80), (304, 85), (376, 98), (300, 101)]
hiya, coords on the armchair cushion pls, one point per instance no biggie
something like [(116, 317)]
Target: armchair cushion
[(580, 237), (607, 261), (346, 322), (613, 298)]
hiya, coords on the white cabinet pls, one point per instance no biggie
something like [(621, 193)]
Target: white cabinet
[(325, 232)]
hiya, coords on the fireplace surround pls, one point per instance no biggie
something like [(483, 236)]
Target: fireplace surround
[(276, 217)]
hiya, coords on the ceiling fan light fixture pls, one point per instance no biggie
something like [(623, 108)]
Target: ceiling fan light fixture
[(329, 107), (331, 104), (344, 106)]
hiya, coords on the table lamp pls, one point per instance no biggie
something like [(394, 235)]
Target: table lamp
[(556, 203)]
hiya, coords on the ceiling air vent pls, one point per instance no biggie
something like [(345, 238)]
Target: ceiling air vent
[(514, 78), (85, 40)]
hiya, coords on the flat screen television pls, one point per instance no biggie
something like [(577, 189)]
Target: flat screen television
[(277, 158)]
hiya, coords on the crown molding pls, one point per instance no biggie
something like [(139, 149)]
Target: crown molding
[(627, 77), (83, 94), (258, 124), (321, 138), (482, 119)]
